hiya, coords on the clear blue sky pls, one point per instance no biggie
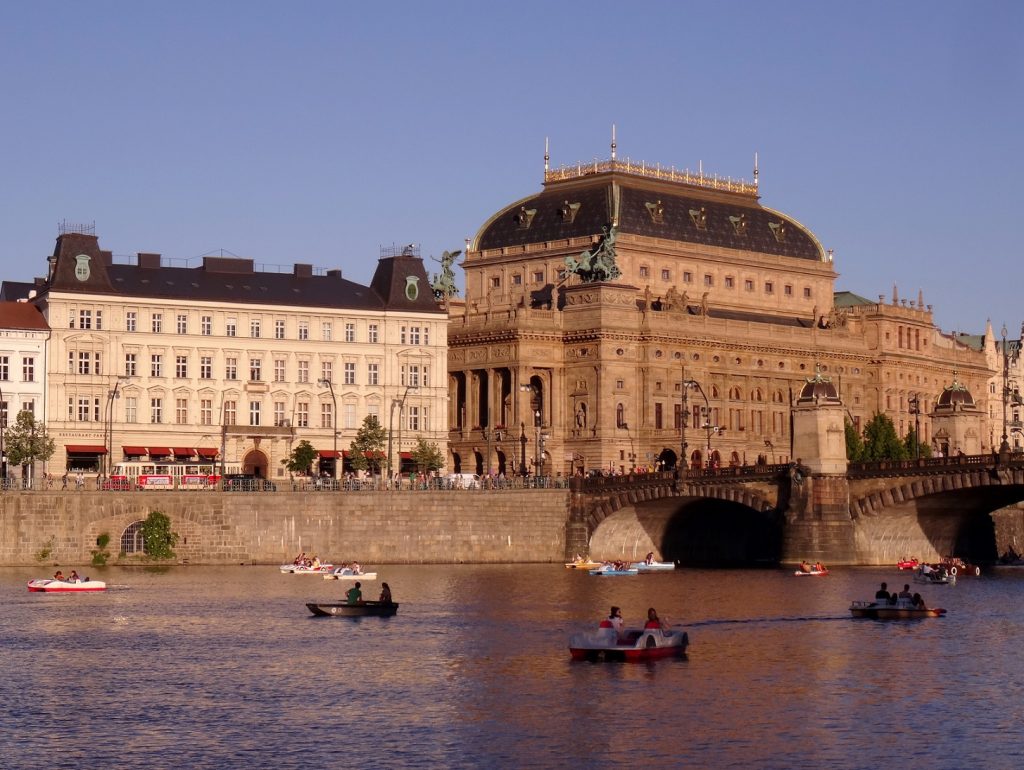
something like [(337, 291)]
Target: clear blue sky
[(319, 131)]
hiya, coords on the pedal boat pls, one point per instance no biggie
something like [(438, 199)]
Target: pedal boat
[(636, 644), (360, 610), (49, 585), (902, 610)]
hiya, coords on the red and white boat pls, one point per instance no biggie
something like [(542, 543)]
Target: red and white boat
[(49, 585), (811, 572), (636, 644), (902, 610), (302, 569), (907, 564)]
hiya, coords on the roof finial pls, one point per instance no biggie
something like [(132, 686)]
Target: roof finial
[(613, 141), (895, 295), (700, 167), (755, 168), (547, 157), (920, 299)]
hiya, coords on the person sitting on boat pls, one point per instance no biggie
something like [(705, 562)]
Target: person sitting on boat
[(805, 567), (918, 602), (905, 593), (650, 558), (653, 621), (300, 559), (819, 567), (315, 564), (58, 575), (356, 570), (354, 595), (385, 594), (882, 594), (74, 577)]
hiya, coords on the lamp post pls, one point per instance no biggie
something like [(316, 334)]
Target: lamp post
[(529, 387), (684, 419), (3, 430), (111, 396), (1004, 446), (323, 382), (914, 405), (522, 449), (391, 424), (771, 448), (707, 414)]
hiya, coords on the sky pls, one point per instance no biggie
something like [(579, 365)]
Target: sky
[(321, 132)]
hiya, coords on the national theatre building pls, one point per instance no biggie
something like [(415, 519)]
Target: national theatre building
[(600, 308)]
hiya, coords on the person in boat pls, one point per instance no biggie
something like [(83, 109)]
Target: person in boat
[(650, 558), (58, 575), (315, 564), (385, 594), (356, 569), (918, 602), (905, 593), (882, 594), (614, 620), (653, 621), (74, 577), (819, 567), (300, 559), (354, 595), (805, 567)]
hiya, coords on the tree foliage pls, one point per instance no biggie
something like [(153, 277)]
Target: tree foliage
[(301, 459), (27, 440), (157, 536), (915, 447), (881, 441), (367, 448), (854, 443), (427, 456)]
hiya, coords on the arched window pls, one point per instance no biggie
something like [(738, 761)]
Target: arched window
[(714, 391), (620, 416), (131, 539), (756, 395)]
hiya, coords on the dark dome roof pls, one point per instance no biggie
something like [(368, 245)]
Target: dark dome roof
[(955, 394), (651, 208), (819, 388)]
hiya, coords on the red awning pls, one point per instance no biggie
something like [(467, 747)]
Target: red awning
[(86, 449), (328, 453), (405, 455), (207, 451), (134, 450), (367, 455), (183, 451), (159, 451)]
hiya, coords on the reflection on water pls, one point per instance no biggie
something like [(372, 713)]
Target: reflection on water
[(225, 667)]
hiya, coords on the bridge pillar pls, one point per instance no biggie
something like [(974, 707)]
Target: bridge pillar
[(818, 522)]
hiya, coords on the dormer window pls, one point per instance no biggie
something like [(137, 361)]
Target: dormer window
[(524, 217), (567, 212), (739, 224), (700, 218), (778, 230), (656, 211)]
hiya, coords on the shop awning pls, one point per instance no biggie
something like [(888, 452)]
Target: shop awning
[(86, 449), (183, 451), (159, 451), (405, 455), (367, 455), (134, 450), (207, 451), (328, 453)]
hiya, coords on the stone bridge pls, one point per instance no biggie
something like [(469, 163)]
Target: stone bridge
[(876, 513)]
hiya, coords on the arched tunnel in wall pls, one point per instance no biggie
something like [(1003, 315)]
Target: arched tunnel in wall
[(696, 532)]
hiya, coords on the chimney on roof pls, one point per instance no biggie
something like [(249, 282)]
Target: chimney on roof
[(334, 273), (303, 271), (148, 259)]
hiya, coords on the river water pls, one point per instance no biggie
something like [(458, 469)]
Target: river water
[(207, 667)]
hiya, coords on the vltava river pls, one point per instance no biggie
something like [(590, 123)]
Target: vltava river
[(199, 667)]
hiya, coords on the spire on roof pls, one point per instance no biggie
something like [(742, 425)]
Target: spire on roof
[(613, 141)]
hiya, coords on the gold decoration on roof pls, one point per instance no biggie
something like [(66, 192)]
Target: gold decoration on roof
[(656, 171)]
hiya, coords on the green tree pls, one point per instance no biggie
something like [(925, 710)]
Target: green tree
[(157, 536), (915, 447), (881, 441), (27, 441), (368, 445), (854, 443), (301, 459), (427, 456)]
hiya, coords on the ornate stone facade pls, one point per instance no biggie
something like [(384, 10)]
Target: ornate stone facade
[(715, 290)]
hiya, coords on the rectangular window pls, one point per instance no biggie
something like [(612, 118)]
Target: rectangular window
[(496, 282), (658, 416), (302, 414), (350, 374), (517, 280), (644, 271), (83, 410), (255, 328), (748, 285), (278, 330), (231, 369), (538, 276), (402, 336), (229, 327), (303, 371), (181, 367), (156, 365), (373, 332), (327, 332), (769, 287), (414, 418), (327, 371), (181, 411), (254, 412), (99, 319), (350, 332), (131, 409), (665, 275), (278, 370), (709, 280), (157, 323), (807, 292), (303, 330), (5, 368), (206, 367), (182, 321), (279, 419), (373, 374), (84, 361), (156, 410), (326, 416), (255, 369), (414, 376), (131, 320), (206, 325), (414, 335), (206, 411), (71, 325), (84, 319), (28, 369), (730, 282), (350, 416), (230, 412), (687, 276), (787, 290)]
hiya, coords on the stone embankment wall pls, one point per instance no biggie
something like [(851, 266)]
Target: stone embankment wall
[(268, 528)]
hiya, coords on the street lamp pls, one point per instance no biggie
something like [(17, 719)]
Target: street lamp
[(323, 382), (707, 415), (522, 449), (3, 430), (914, 405), (111, 395), (391, 425), (771, 448), (529, 387)]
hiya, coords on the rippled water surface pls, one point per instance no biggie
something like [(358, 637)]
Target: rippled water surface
[(224, 667)]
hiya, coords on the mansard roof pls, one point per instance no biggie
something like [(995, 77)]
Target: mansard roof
[(725, 215)]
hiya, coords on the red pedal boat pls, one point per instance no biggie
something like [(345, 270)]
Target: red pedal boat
[(637, 644)]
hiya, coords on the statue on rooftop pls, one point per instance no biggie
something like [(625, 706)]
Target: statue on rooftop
[(597, 264), (443, 284)]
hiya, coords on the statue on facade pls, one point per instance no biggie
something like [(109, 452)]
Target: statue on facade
[(704, 303), (443, 283), (597, 264)]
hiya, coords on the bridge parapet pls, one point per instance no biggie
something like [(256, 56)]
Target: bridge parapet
[(927, 466)]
